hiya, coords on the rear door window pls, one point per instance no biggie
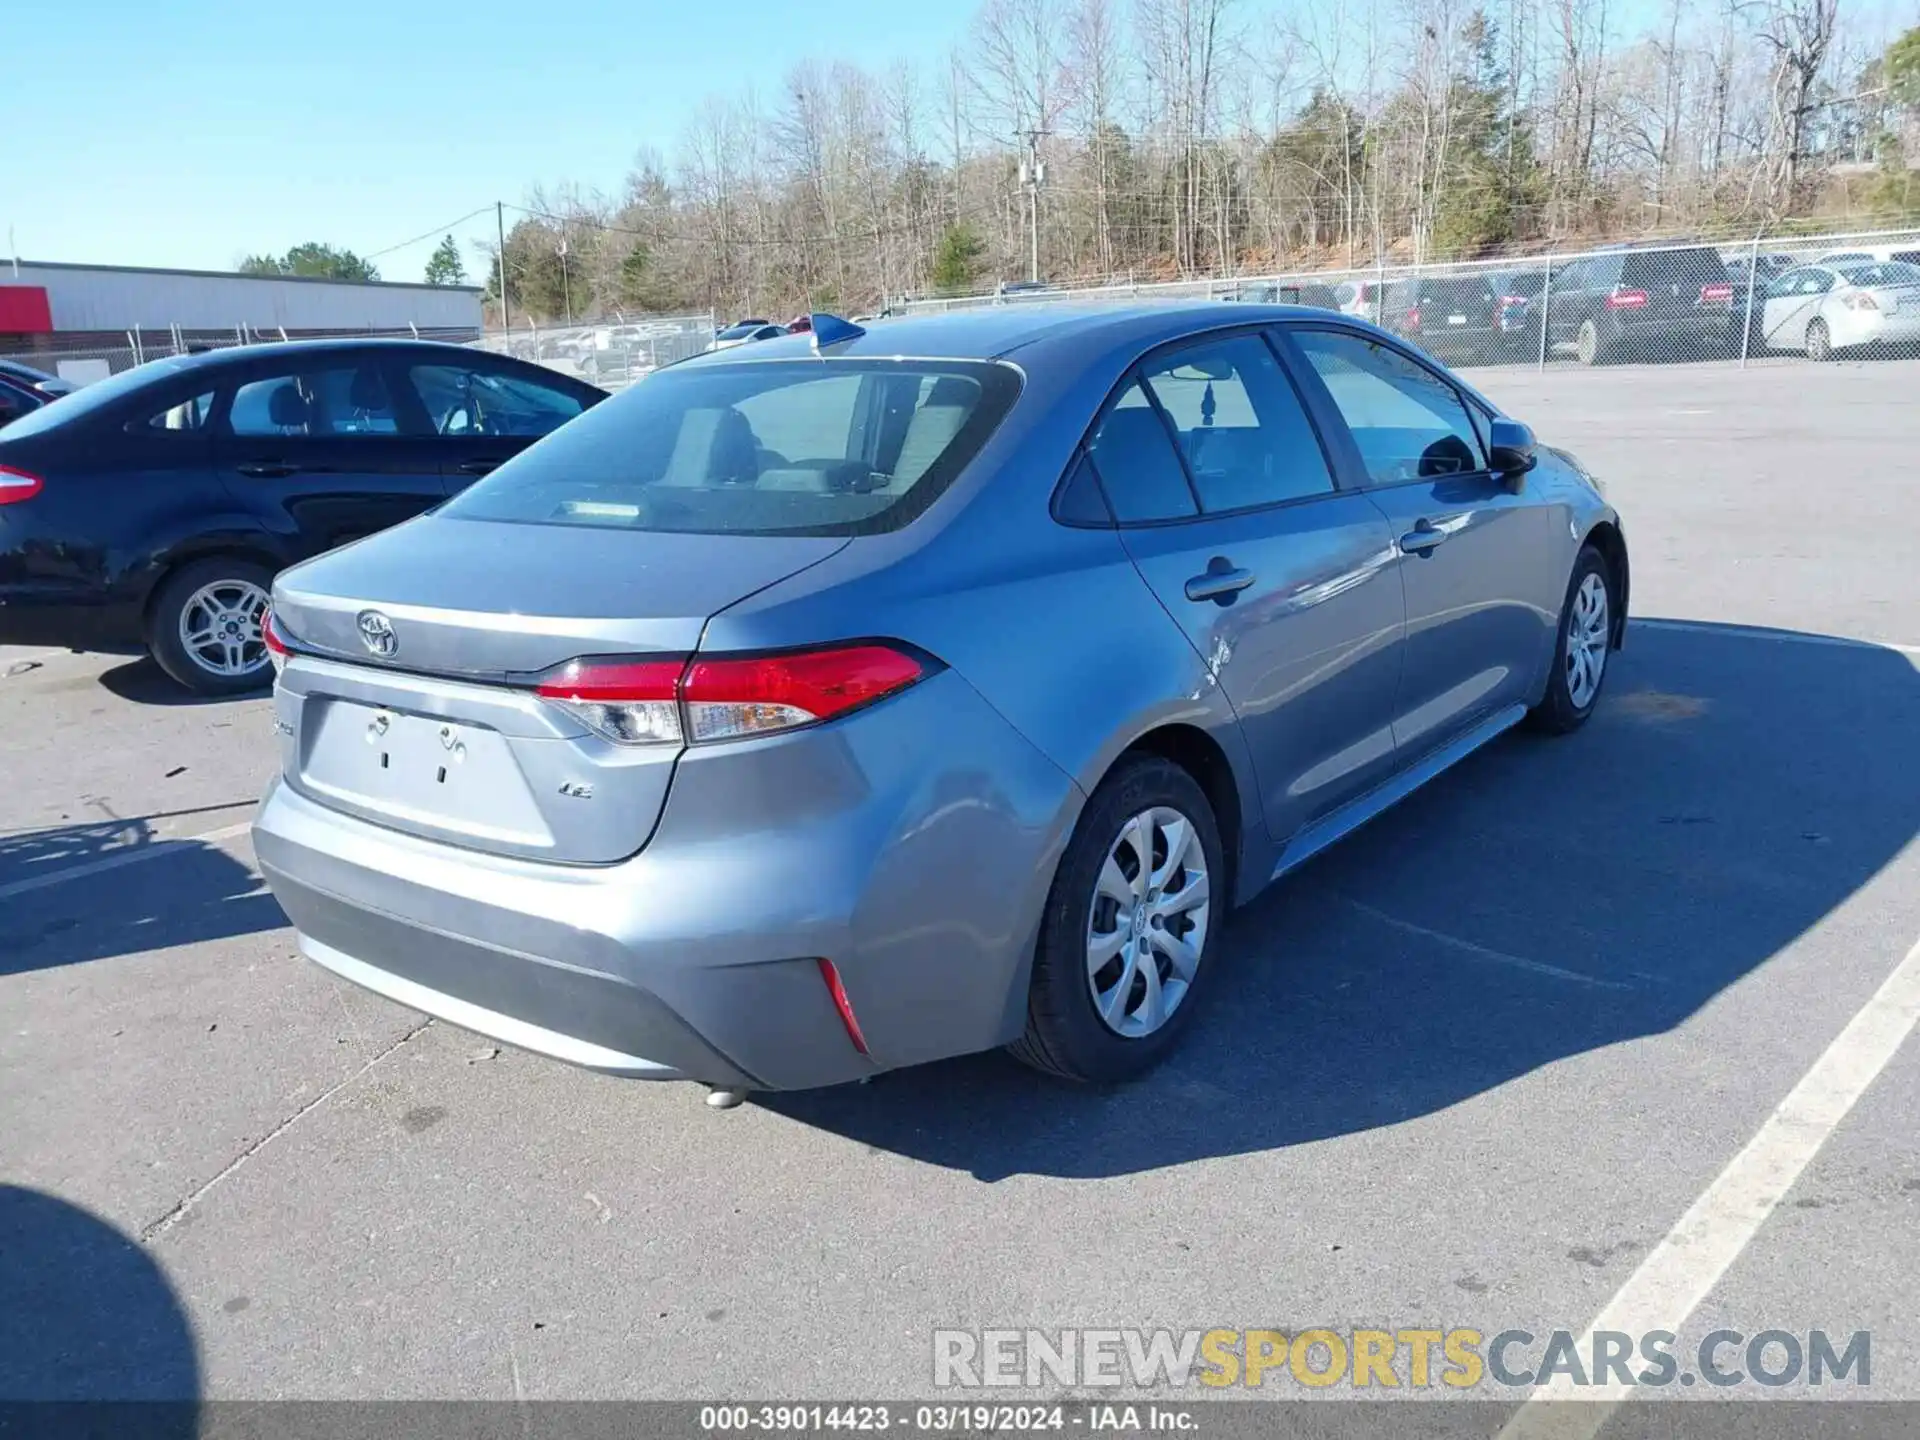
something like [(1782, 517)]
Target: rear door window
[(321, 400), (1137, 464)]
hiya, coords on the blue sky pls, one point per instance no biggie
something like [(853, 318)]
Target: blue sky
[(192, 132)]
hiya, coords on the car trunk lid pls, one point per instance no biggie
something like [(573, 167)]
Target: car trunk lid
[(409, 698)]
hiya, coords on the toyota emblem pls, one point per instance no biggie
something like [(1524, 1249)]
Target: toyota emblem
[(376, 633)]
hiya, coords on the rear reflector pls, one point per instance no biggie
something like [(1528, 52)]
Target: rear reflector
[(17, 485), (670, 701), (841, 1003), (1627, 300)]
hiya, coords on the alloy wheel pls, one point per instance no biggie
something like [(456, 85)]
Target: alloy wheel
[(1589, 632), (1147, 926), (220, 628)]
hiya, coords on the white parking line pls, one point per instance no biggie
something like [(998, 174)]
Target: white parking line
[(1688, 1262), (132, 855), (1754, 632)]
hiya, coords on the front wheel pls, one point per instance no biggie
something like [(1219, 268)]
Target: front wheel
[(1131, 927), (1581, 650), (1819, 341), (205, 627)]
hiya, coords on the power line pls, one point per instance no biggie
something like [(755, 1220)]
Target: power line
[(428, 235)]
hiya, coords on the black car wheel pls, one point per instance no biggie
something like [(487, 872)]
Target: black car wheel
[(1582, 648), (205, 626), (1131, 927)]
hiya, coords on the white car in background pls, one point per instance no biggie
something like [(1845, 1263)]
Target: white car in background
[(1906, 252), (1820, 309)]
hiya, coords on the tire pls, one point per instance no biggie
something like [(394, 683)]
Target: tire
[(1587, 344), (1819, 341), (1066, 1035), (1571, 697), (205, 587)]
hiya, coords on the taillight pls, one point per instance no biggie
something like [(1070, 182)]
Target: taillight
[(1860, 300), (1514, 302), (1716, 294), (275, 639), (17, 485), (651, 702), (1626, 300), (1413, 317), (631, 702)]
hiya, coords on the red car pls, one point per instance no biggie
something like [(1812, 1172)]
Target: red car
[(800, 325)]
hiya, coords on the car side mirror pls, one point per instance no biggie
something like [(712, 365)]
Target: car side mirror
[(1511, 448)]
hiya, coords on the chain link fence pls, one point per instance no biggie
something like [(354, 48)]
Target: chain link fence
[(1852, 295), (608, 354)]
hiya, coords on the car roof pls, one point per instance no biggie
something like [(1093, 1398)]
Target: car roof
[(330, 345), (994, 332)]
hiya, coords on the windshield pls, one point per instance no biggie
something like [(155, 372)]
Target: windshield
[(90, 399), (801, 447)]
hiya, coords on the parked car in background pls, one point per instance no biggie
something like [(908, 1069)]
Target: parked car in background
[(954, 680), (17, 399), (155, 507), (1822, 309), (1664, 304), (1360, 298), (22, 373), (800, 325), (1765, 267), (1459, 317), (1905, 254), (745, 331)]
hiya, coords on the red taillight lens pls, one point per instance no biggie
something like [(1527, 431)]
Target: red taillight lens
[(632, 702), (841, 1003), (1513, 302), (275, 640), (727, 698), (651, 702), (1626, 300), (1413, 317), (18, 485), (1860, 300), (1716, 294)]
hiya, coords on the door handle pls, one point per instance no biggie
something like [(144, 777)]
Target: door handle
[(1422, 539), (266, 469), (1221, 581), (478, 467)]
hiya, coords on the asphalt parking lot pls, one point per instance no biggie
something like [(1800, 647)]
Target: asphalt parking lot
[(1468, 1069)]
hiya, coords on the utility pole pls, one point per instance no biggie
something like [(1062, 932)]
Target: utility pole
[(500, 225), (566, 285), (1033, 174)]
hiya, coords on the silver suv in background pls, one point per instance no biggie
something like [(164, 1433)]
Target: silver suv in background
[(850, 700)]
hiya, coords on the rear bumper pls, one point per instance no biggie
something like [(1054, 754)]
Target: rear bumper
[(911, 845), (1902, 328)]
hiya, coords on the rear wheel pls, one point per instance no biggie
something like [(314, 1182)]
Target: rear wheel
[(1131, 927), (205, 626), (1581, 651), (1587, 344), (1819, 341)]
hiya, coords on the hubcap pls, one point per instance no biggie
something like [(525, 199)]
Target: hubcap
[(1588, 634), (220, 628), (1147, 926)]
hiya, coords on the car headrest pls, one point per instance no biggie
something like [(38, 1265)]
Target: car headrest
[(1135, 429), (286, 406), (952, 390), (369, 389), (735, 457)]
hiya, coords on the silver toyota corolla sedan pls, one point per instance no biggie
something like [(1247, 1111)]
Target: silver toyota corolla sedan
[(851, 700)]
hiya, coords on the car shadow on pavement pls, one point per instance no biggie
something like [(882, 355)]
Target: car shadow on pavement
[(87, 1316), (117, 904), (142, 682), (1544, 899)]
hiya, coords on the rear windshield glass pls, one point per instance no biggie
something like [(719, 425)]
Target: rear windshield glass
[(1688, 267), (800, 447), (90, 399)]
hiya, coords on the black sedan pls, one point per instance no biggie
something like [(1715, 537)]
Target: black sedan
[(154, 508)]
